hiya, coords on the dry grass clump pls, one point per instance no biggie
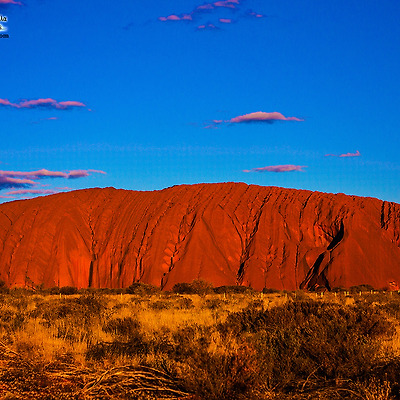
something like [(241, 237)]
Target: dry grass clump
[(234, 344)]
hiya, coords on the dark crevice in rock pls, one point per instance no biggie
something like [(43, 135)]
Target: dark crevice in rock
[(339, 236), (383, 215), (90, 274), (240, 273)]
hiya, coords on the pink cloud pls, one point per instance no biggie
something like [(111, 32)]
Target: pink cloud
[(81, 173), (278, 168), (356, 154), (214, 7), (208, 6), (261, 116), (42, 103), (18, 179), (66, 104), (10, 2), (213, 124), (207, 26), (170, 18), (10, 182), (257, 15), (5, 102), (173, 17), (43, 173), (30, 191), (254, 117), (227, 3), (35, 103)]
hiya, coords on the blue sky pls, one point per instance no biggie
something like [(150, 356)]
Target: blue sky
[(144, 95)]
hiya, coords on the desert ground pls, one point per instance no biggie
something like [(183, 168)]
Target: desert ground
[(199, 342)]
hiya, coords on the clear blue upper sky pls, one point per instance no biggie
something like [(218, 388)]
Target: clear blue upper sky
[(148, 94)]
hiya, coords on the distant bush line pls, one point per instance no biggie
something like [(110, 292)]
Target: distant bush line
[(197, 286)]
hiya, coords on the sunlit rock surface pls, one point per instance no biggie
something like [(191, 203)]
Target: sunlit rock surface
[(225, 233)]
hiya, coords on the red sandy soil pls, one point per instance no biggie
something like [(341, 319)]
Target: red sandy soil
[(225, 233)]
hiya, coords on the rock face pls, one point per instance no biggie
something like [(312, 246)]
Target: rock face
[(225, 233)]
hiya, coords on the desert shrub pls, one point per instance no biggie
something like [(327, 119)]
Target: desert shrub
[(18, 300), (299, 295), (93, 303), (142, 289), (123, 327), (111, 350), (6, 317), (19, 321), (374, 389), (74, 317), (160, 305), (53, 290), (271, 291), (183, 303), (129, 341), (301, 338), (219, 376), (68, 290), (214, 304), (226, 371), (198, 286), (189, 339), (361, 288), (233, 289), (339, 289), (3, 287), (256, 304)]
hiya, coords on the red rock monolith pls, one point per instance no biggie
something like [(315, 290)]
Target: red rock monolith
[(224, 233)]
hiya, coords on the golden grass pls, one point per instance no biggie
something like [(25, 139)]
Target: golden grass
[(167, 346)]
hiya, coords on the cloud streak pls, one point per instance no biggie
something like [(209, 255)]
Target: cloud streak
[(356, 154), (42, 103), (255, 117), (30, 191), (6, 2), (209, 27), (278, 168), (8, 182), (214, 9), (23, 180), (261, 116)]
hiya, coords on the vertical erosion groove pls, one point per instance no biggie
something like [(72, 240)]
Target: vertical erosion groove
[(314, 275), (338, 237)]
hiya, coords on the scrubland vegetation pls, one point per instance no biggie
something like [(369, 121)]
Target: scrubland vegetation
[(199, 343)]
